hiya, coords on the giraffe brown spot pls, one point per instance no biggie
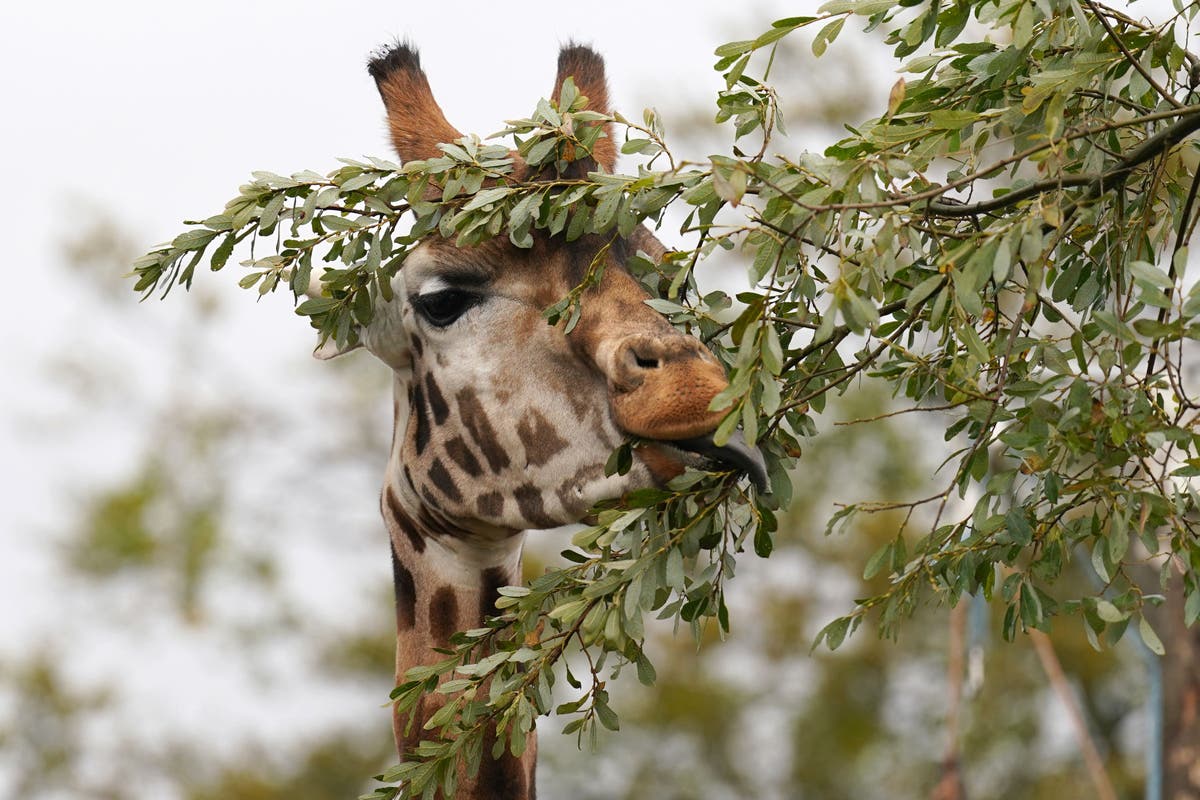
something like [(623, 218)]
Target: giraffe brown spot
[(403, 521), (442, 480), (458, 451), (429, 496), (490, 504), (662, 465), (529, 501), (443, 615), (421, 428), (489, 590), (406, 594), (480, 427), (569, 490), (418, 346), (437, 403), (539, 437), (500, 778)]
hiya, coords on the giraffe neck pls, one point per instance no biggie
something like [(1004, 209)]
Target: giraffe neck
[(447, 579)]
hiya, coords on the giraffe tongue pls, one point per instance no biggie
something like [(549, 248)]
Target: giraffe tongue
[(735, 453)]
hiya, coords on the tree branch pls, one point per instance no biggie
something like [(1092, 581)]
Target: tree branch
[(1096, 184)]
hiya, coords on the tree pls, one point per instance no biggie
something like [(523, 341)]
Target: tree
[(1005, 246)]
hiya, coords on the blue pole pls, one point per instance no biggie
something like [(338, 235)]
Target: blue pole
[(1154, 724)]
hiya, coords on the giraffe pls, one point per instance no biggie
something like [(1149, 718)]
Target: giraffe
[(504, 423)]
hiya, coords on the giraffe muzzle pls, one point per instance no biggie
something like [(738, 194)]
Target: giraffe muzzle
[(734, 453)]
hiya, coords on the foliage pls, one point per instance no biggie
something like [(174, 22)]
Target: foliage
[(1005, 245)]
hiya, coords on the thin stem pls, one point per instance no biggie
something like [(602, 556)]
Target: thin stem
[(1066, 695), (1145, 73)]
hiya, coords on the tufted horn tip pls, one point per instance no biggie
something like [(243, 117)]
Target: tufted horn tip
[(415, 120), (397, 56)]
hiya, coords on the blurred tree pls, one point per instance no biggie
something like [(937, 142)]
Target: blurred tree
[(41, 739)]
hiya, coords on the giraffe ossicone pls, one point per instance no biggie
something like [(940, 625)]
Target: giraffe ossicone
[(505, 423)]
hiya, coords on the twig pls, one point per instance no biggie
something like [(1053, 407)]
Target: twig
[(950, 786), (1130, 57), (898, 412), (1058, 680), (1181, 241), (1186, 113)]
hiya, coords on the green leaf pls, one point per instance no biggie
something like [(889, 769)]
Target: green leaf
[(645, 671), (763, 543), (674, 569), (568, 612), (880, 558), (952, 120), (826, 36), (1108, 612), (317, 305), (834, 633), (1191, 608), (1151, 274), (487, 197), (1018, 526), (335, 222), (772, 350), (193, 239), (358, 182), (608, 717), (731, 187), (734, 48), (923, 291), (864, 8), (1150, 637), (221, 255)]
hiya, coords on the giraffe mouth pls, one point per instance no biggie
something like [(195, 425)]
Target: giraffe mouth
[(734, 453)]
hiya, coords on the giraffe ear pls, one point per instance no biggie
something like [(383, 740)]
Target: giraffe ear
[(384, 336), (331, 349), (385, 341)]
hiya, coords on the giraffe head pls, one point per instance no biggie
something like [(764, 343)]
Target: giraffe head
[(510, 420)]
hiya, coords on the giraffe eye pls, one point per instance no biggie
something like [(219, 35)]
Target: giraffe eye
[(443, 307)]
